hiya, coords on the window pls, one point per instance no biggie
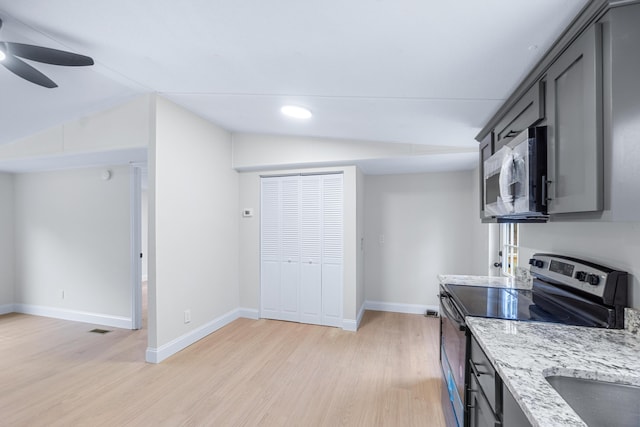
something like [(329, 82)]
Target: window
[(509, 248)]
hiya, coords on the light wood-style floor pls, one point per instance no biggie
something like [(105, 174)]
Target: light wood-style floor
[(270, 373)]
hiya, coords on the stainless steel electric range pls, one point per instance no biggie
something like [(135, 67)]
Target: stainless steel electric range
[(564, 290)]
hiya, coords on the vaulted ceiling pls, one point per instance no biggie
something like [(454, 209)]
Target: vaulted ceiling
[(409, 71)]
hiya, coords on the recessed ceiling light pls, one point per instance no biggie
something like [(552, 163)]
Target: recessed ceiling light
[(295, 112)]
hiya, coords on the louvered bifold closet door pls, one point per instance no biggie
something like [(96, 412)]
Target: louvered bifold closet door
[(270, 247), (332, 248), (290, 237), (310, 250), (302, 249)]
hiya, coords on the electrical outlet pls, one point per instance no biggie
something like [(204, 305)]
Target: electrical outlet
[(187, 316)]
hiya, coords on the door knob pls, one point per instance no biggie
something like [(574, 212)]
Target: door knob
[(497, 264)]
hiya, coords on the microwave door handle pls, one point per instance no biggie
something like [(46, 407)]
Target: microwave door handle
[(507, 172), (544, 190)]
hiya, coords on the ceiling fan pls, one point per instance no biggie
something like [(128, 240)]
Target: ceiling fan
[(10, 54)]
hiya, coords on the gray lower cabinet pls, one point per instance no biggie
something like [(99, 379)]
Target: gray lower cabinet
[(480, 412), (512, 415), (488, 402), (574, 123), (483, 393)]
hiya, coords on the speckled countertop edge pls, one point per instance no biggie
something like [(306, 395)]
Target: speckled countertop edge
[(632, 320), (524, 353), (488, 281)]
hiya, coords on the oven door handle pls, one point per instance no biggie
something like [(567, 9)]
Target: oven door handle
[(451, 312)]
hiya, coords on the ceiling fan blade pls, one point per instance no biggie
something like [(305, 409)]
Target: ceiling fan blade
[(48, 55), (27, 72)]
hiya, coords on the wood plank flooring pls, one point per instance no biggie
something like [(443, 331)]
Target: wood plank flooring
[(55, 373)]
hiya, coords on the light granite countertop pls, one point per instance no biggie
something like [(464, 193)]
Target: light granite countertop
[(488, 281), (524, 353)]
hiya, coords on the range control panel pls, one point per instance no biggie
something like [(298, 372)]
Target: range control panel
[(588, 277)]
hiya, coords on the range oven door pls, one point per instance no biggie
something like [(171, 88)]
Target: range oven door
[(453, 351)]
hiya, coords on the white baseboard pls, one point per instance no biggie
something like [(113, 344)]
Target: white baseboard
[(6, 309), (353, 325), (349, 325), (249, 313), (157, 355), (399, 307), (74, 315)]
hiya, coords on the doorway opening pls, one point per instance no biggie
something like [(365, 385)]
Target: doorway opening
[(139, 245)]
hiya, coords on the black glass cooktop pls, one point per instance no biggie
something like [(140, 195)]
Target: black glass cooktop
[(492, 302), (504, 303)]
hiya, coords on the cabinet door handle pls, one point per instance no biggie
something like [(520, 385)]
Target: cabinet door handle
[(474, 368)]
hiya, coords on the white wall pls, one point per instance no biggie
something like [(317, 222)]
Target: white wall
[(72, 234), (249, 238), (249, 241), (193, 228), (6, 244), (120, 128), (264, 152), (613, 244), (416, 227), (479, 241)]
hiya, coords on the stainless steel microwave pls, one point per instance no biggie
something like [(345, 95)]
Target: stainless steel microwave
[(515, 178)]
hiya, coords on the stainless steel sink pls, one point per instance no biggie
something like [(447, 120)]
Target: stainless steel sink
[(600, 403)]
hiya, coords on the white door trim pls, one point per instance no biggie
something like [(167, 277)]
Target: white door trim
[(135, 195)]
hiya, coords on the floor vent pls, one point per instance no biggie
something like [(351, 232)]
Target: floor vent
[(99, 331)]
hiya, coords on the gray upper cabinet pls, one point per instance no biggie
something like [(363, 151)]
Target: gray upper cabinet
[(622, 112), (586, 91), (574, 123), (528, 111), (486, 150)]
